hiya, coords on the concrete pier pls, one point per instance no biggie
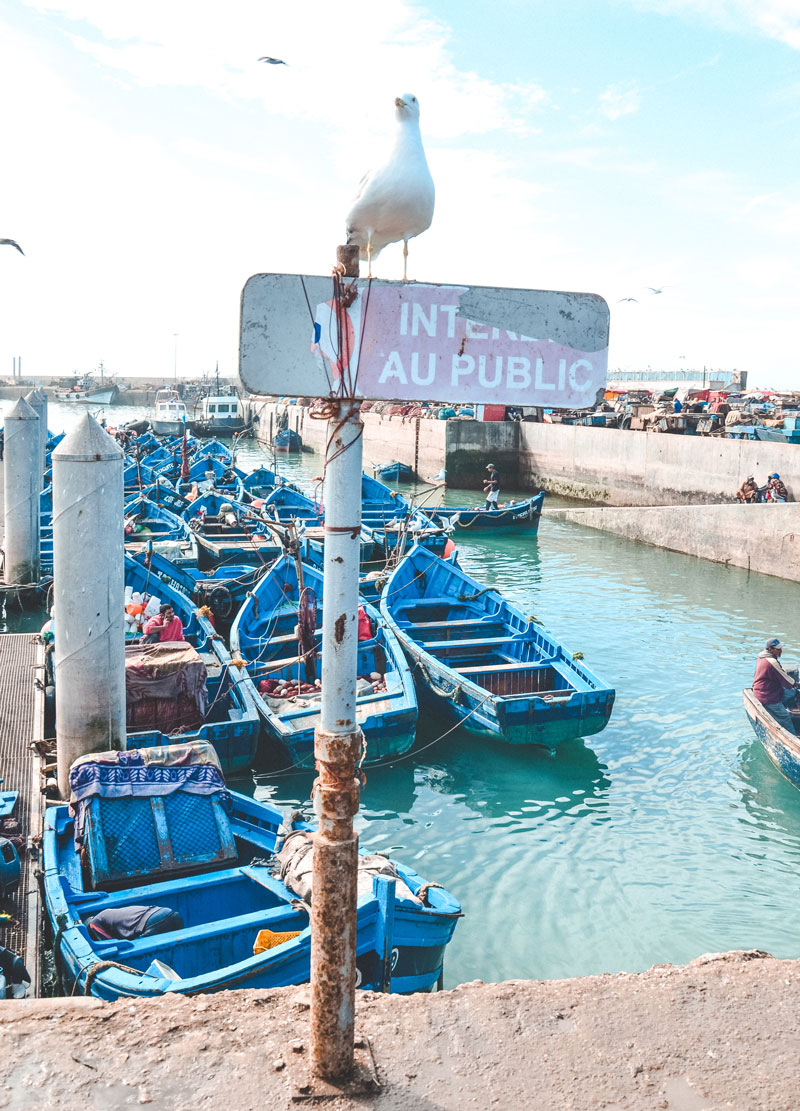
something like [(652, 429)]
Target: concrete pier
[(718, 1033), (22, 480), (88, 593), (764, 538), (37, 399)]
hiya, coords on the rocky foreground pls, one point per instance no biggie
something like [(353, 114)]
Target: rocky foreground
[(721, 1032)]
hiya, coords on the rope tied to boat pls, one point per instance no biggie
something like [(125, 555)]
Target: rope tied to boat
[(98, 967)]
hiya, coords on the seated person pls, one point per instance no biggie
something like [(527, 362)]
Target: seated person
[(748, 491), (776, 491), (164, 626), (773, 684)]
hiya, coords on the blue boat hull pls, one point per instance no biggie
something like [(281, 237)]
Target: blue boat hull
[(781, 746), (223, 911), (263, 635), (487, 666), (520, 515)]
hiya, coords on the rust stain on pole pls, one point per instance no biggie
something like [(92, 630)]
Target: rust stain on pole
[(333, 907), (339, 627)]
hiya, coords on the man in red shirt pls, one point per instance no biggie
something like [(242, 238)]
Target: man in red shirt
[(774, 685)]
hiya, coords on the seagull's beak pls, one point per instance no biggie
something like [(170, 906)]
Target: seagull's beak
[(399, 102)]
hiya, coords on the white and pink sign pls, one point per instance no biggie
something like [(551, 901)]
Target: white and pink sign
[(429, 342)]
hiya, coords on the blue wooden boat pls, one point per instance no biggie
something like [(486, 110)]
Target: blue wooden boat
[(484, 663), (223, 588), (197, 629), (394, 472), (204, 866), (146, 520), (287, 440), (264, 636), (260, 483), (780, 745), (228, 531), (521, 515)]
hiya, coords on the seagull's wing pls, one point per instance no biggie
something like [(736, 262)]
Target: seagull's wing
[(626, 299), (12, 243), (273, 61)]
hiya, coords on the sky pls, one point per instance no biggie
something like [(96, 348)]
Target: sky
[(151, 164)]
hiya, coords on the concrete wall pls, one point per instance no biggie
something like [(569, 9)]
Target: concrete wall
[(386, 439), (763, 538), (602, 465), (647, 468)]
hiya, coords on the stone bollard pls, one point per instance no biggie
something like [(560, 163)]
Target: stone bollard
[(37, 399), (89, 595), (22, 480)]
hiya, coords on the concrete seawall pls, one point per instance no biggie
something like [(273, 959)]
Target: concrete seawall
[(647, 468), (601, 465), (763, 538)]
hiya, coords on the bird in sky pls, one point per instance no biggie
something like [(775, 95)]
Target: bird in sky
[(12, 243), (626, 299), (273, 61), (394, 201), (654, 290)]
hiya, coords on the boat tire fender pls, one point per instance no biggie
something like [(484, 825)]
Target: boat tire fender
[(221, 601)]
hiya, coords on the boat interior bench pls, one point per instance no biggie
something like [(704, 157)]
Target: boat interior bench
[(544, 678)]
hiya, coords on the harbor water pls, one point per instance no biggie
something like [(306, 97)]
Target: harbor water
[(666, 836)]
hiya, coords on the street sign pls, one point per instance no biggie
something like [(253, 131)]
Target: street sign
[(424, 342)]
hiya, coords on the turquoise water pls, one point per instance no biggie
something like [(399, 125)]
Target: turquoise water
[(668, 836)]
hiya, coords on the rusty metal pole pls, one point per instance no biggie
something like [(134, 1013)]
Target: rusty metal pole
[(337, 747)]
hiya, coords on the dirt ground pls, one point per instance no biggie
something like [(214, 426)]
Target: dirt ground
[(721, 1032)]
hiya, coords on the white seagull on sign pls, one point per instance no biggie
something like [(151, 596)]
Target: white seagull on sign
[(395, 201)]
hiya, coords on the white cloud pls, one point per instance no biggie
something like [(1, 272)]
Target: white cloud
[(617, 101), (776, 19)]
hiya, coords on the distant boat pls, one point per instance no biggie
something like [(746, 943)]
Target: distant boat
[(220, 415), (287, 440), (215, 886), (521, 515), (88, 391), (169, 414), (393, 472), (486, 665), (781, 745)]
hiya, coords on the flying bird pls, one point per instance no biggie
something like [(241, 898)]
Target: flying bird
[(654, 290), (273, 61), (626, 299), (394, 201), (12, 243)]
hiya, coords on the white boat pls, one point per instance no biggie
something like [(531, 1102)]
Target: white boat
[(87, 390), (169, 414), (220, 414)]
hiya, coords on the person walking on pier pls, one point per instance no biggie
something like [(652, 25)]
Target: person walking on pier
[(491, 486), (773, 684)]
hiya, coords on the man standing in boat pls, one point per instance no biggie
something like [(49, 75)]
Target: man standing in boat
[(774, 685), (491, 486)]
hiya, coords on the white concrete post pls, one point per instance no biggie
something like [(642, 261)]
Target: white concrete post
[(22, 480), (89, 595), (37, 399)]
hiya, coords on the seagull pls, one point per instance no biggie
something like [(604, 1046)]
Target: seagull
[(654, 290), (394, 201), (12, 243), (273, 61), (626, 299)]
